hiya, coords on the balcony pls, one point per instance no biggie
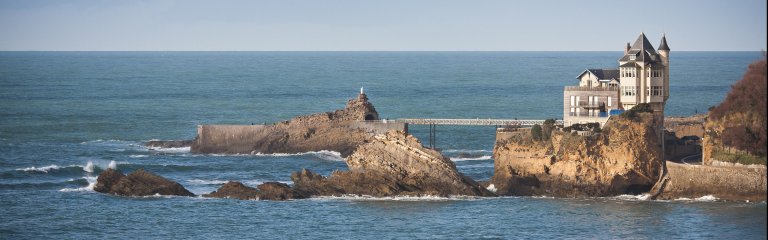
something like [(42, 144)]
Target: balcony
[(581, 88)]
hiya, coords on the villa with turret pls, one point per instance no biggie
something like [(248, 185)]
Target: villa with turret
[(642, 77)]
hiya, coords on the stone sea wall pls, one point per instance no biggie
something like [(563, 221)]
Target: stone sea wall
[(726, 183)]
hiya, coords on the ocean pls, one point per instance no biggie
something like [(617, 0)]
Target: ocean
[(66, 116)]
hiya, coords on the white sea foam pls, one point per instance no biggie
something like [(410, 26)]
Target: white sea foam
[(112, 165), (472, 159), (88, 167), (641, 197), (323, 154), (170, 150), (138, 156), (397, 198), (707, 198), (219, 182), (492, 188), (89, 188), (39, 169), (207, 182)]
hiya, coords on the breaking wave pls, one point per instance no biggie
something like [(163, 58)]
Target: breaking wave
[(89, 188), (45, 169)]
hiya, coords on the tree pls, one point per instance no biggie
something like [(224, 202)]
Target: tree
[(536, 132), (743, 112), (547, 128)]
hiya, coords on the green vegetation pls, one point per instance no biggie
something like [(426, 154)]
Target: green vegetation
[(631, 114), (739, 157), (547, 128), (536, 132)]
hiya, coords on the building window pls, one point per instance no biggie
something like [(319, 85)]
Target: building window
[(655, 91), (628, 90), (632, 57), (609, 101), (573, 100), (572, 110)]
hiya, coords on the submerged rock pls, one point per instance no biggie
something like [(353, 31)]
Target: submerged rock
[(267, 191), (392, 164), (625, 158), (137, 183)]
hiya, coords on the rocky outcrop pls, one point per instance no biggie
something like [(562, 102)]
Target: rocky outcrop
[(390, 165), (274, 191), (236, 190), (323, 131), (724, 183), (137, 183), (626, 157)]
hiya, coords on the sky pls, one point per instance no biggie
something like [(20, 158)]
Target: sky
[(386, 25)]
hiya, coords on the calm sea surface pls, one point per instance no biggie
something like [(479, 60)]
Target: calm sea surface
[(65, 116)]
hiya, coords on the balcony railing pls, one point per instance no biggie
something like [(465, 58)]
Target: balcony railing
[(586, 114), (582, 88)]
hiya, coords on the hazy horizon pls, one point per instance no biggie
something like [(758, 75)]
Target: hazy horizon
[(338, 25)]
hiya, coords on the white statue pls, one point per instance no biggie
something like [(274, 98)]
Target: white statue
[(361, 90)]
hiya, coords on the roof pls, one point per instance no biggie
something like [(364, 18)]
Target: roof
[(629, 64), (663, 45), (642, 50), (602, 73)]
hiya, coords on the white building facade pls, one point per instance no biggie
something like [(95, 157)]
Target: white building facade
[(642, 77)]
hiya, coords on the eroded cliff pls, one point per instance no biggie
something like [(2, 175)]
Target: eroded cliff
[(626, 157)]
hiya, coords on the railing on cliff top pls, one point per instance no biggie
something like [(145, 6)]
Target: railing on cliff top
[(468, 122)]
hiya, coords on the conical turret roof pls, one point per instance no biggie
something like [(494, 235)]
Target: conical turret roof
[(663, 45)]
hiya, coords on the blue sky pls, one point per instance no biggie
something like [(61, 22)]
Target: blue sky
[(392, 25)]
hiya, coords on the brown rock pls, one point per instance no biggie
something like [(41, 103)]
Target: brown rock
[(277, 192), (107, 179), (626, 158), (234, 190), (138, 183), (322, 131), (392, 164)]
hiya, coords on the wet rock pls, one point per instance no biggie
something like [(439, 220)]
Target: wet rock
[(138, 183), (234, 190), (276, 191)]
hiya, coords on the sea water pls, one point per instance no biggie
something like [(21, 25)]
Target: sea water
[(67, 116)]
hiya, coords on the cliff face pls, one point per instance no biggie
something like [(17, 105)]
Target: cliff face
[(625, 158), (392, 164), (322, 131)]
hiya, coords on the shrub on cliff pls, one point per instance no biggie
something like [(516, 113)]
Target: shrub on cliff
[(741, 117), (547, 128), (632, 113), (536, 132)]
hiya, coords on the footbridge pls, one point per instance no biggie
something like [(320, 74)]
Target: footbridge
[(433, 122)]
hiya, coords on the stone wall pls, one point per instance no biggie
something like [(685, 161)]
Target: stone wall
[(726, 183), (380, 127), (227, 138)]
